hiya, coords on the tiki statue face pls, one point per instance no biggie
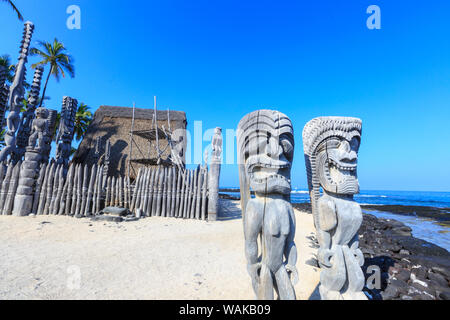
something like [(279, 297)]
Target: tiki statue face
[(337, 161), (268, 161), (42, 113)]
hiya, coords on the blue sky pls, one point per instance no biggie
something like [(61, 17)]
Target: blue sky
[(218, 60)]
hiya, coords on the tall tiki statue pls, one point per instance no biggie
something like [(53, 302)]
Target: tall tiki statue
[(4, 91), (265, 142), (16, 95), (331, 151), (48, 134), (23, 202), (24, 131), (66, 130), (214, 175)]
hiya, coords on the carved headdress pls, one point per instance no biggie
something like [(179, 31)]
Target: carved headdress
[(261, 125), (315, 133)]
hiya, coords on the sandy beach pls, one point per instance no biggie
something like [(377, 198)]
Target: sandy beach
[(43, 257)]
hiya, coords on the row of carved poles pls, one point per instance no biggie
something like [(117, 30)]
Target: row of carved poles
[(84, 190), (169, 192), (76, 191)]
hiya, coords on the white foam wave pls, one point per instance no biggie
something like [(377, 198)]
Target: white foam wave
[(371, 196)]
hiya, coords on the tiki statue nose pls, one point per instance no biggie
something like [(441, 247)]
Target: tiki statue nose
[(273, 148)]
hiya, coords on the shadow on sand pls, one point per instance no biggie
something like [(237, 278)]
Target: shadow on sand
[(229, 210)]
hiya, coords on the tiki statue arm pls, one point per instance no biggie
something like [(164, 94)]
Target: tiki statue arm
[(327, 222), (253, 226), (290, 249)]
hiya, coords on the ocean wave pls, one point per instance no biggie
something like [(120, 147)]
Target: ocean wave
[(371, 196)]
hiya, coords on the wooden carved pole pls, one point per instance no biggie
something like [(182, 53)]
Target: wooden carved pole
[(12, 189), (214, 175), (174, 185), (43, 192), (66, 190), (178, 195), (164, 195), (16, 95), (5, 187), (49, 188), (38, 188), (198, 195)]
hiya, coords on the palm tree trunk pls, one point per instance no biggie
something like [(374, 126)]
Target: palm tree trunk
[(45, 87)]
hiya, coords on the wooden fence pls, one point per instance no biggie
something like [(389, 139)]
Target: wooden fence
[(82, 190)]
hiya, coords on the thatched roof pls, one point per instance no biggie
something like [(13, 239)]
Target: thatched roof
[(114, 123), (139, 113)]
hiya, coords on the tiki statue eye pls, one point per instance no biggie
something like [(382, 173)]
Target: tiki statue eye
[(354, 144), (288, 149)]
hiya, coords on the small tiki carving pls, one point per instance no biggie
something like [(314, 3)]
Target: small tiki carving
[(266, 148), (178, 143), (38, 129), (331, 150), (216, 143), (106, 159)]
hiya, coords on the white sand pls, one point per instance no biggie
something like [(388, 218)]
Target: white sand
[(153, 258)]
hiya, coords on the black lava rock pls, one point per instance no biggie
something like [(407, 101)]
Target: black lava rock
[(389, 245), (105, 217), (438, 278), (445, 295), (403, 275), (402, 258)]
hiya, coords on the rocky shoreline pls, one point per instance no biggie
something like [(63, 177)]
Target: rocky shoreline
[(411, 268), (440, 215)]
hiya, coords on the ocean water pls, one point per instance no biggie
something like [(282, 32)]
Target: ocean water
[(402, 198), (422, 228)]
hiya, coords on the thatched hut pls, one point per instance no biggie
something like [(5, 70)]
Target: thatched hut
[(115, 124)]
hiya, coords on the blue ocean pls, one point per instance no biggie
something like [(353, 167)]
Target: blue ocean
[(402, 198), (423, 228)]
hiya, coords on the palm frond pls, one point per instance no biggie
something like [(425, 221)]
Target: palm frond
[(83, 118), (55, 55), (19, 15), (5, 61)]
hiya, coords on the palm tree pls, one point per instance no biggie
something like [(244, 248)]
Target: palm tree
[(83, 119), (56, 130), (25, 101), (5, 62), (19, 15), (59, 61)]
